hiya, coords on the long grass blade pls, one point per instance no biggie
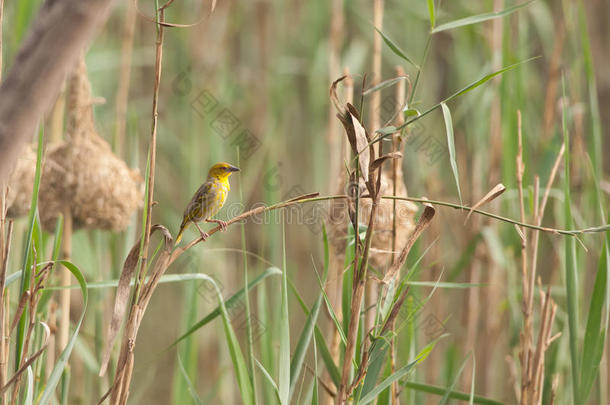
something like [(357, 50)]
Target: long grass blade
[(475, 19), (461, 396), (228, 303), (571, 276), (28, 253), (432, 14), (305, 338), (191, 388), (269, 379), (284, 354), (400, 373), (314, 395), (237, 357), (331, 367), (62, 361), (385, 132), (595, 332), (450, 388), (395, 48), (451, 147)]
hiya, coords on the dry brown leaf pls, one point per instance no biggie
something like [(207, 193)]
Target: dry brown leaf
[(123, 289), (379, 161), (120, 302), (364, 156), (492, 195), (422, 224), (333, 95)]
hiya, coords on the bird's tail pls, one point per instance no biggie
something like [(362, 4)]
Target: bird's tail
[(179, 236)]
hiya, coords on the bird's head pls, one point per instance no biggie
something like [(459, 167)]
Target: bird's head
[(222, 170)]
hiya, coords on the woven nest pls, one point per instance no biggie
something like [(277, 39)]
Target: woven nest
[(82, 176), (381, 245), (97, 187), (21, 183)]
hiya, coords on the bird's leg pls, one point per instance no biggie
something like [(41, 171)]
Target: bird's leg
[(204, 235), (223, 224)]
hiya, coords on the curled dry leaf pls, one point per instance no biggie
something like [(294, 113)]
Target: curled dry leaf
[(333, 95), (379, 161), (490, 196), (356, 134)]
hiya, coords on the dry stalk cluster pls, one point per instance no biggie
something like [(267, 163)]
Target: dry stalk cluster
[(533, 346), (368, 170), (28, 302)]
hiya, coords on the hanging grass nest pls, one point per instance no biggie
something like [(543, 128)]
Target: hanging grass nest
[(381, 245), (21, 183), (82, 176)]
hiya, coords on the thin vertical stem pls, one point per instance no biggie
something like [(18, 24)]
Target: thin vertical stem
[(124, 76), (375, 103), (1, 24), (396, 141), (5, 246), (3, 258), (64, 297), (152, 151), (526, 334)]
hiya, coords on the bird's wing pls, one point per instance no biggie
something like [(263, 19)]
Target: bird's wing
[(198, 203)]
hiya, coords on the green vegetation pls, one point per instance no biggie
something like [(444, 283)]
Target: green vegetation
[(499, 292)]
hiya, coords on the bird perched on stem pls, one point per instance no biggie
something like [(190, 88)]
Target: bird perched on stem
[(208, 200)]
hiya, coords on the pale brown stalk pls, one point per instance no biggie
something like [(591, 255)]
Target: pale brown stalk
[(357, 298), (5, 247), (495, 121), (152, 153), (120, 390), (335, 41), (532, 355), (526, 334), (554, 76), (484, 321), (335, 283), (375, 123), (396, 147), (64, 295), (539, 214), (122, 95), (1, 25)]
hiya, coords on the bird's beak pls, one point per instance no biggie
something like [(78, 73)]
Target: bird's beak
[(233, 169)]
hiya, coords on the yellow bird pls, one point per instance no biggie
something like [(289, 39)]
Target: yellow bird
[(208, 199)]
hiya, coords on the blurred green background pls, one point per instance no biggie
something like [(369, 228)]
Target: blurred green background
[(254, 77)]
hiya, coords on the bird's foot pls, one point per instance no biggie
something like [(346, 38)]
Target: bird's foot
[(222, 224), (204, 235)]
